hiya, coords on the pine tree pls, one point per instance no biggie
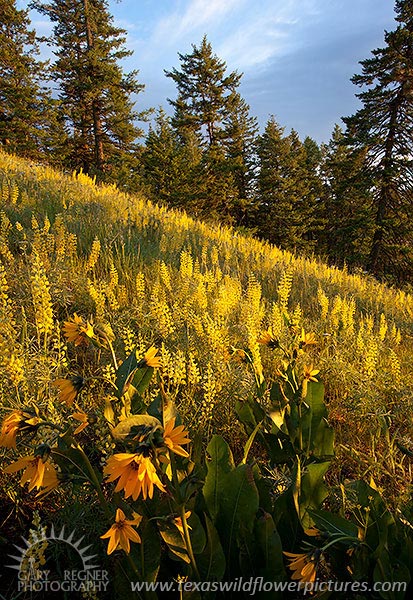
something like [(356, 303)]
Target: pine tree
[(287, 205), (348, 214), (27, 125), (384, 126), (161, 160), (209, 110), (242, 131), (204, 92), (314, 197), (95, 93)]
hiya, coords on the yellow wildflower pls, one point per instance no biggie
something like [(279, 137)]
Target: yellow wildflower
[(310, 373), (77, 331), (12, 424), (312, 532), (84, 421), (150, 359), (267, 339), (69, 388), (178, 522), (307, 339), (174, 437), (36, 472), (136, 474), (122, 532), (304, 566)]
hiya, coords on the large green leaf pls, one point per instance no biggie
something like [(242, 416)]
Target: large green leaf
[(211, 562), (231, 497), (389, 569), (72, 462), (150, 551), (127, 427), (220, 465), (318, 436), (174, 540), (196, 533), (333, 524), (312, 490), (132, 373), (125, 373), (270, 556), (238, 506), (276, 442)]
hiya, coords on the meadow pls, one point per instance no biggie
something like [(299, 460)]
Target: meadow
[(248, 338)]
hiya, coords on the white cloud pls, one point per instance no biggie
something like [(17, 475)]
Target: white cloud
[(255, 43), (245, 33), (273, 30), (197, 15)]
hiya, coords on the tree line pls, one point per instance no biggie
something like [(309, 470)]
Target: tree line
[(349, 201)]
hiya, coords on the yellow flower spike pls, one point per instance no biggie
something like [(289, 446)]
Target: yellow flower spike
[(150, 359), (310, 373), (69, 388), (135, 473), (174, 437), (121, 533), (36, 472)]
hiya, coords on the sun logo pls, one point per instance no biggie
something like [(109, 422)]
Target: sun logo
[(31, 559)]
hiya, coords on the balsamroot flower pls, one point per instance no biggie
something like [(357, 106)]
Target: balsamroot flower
[(268, 339), (16, 421), (136, 475), (69, 388), (307, 339), (122, 532), (304, 566), (310, 373), (174, 437), (178, 522), (84, 421), (77, 331), (37, 473), (150, 359)]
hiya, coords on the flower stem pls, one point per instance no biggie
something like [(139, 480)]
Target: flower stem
[(181, 503), (188, 542), (94, 480)]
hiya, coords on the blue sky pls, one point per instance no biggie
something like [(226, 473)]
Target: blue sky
[(296, 56)]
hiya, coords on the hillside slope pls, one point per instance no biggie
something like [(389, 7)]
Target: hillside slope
[(199, 292)]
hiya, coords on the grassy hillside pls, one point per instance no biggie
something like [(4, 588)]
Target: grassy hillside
[(196, 291), (204, 295)]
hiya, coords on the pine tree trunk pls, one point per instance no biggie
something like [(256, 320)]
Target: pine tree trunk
[(375, 259), (97, 121)]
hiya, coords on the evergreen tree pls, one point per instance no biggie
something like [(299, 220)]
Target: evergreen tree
[(287, 202), (242, 131), (384, 126), (209, 110), (314, 197), (27, 120), (95, 93), (204, 93), (347, 203), (163, 168)]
